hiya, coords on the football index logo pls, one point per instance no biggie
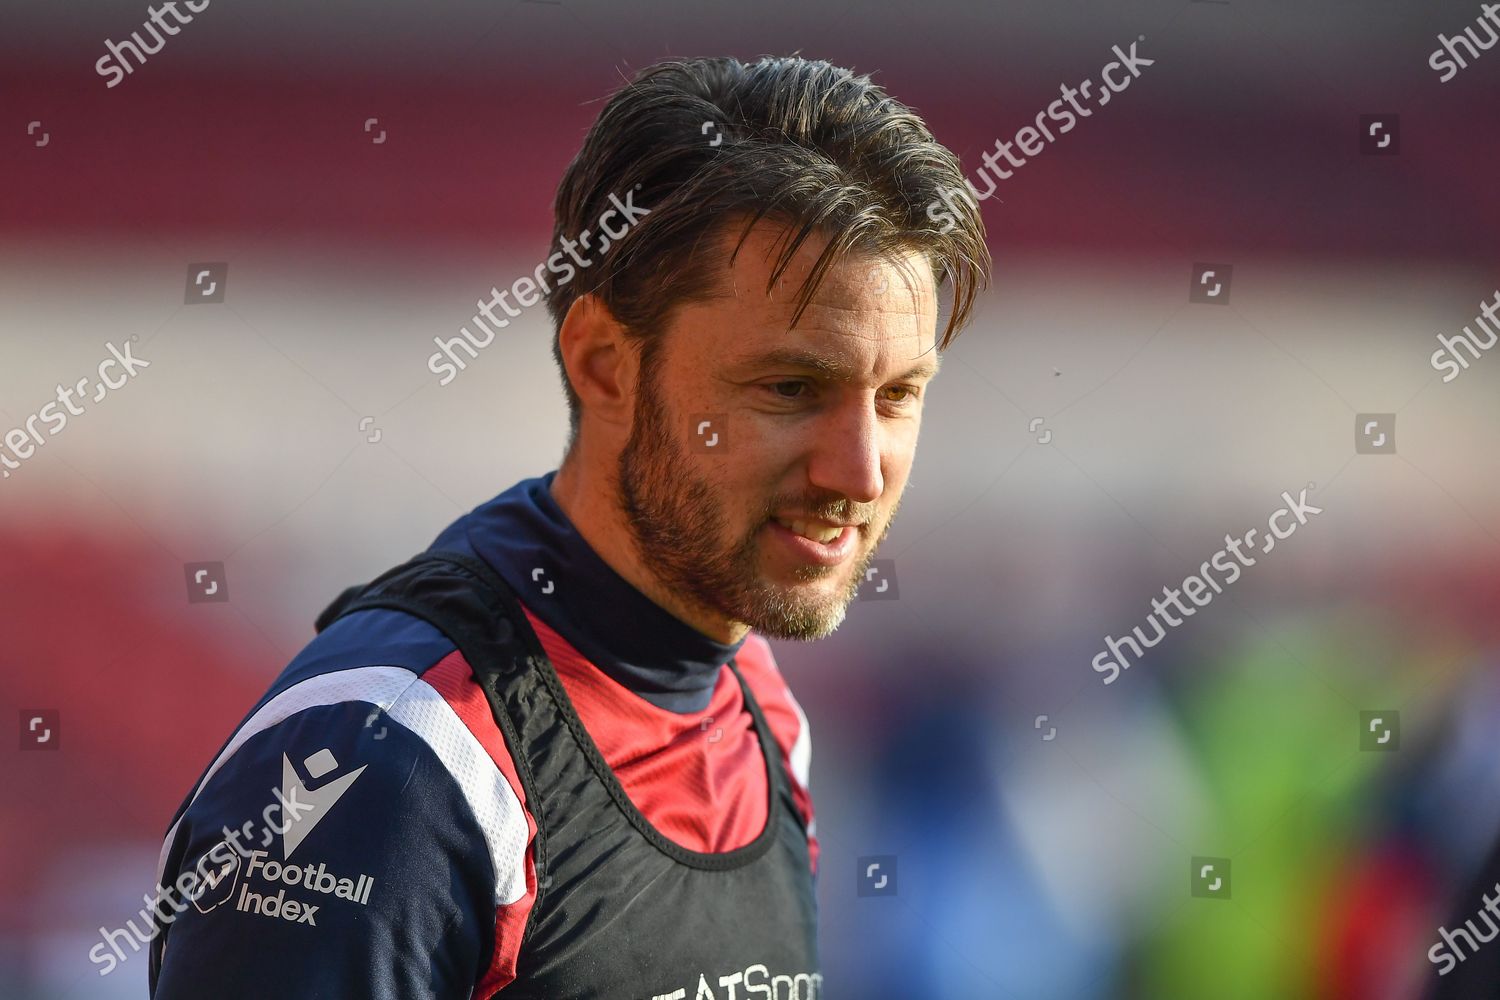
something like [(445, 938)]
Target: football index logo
[(219, 870), (302, 809)]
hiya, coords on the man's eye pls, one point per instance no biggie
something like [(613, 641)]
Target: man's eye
[(794, 384), (792, 389)]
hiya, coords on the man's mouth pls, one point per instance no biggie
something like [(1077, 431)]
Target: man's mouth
[(818, 531), (819, 543)]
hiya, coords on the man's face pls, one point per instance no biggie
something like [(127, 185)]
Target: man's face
[(818, 424)]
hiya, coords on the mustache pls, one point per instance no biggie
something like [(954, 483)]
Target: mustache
[(841, 511)]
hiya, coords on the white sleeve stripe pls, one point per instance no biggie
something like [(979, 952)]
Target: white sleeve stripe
[(416, 705), (491, 799), (802, 748), (376, 685)]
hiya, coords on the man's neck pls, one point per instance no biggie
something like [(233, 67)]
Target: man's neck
[(589, 504)]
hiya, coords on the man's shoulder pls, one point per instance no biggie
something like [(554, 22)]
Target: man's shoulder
[(345, 680), (372, 638), (379, 711), (367, 797), (385, 687)]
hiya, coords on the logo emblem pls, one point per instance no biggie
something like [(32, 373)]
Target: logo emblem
[(303, 809), (1380, 730), (1375, 433), (41, 729), (877, 875), (218, 877), (879, 583), (1210, 285), (1380, 135), (1210, 878)]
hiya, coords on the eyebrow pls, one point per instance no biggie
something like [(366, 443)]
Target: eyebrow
[(829, 368)]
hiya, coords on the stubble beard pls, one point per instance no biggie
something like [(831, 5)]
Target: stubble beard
[(676, 519)]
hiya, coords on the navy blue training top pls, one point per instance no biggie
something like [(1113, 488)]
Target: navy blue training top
[(361, 831)]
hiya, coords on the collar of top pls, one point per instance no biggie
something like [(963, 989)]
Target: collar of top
[(528, 539)]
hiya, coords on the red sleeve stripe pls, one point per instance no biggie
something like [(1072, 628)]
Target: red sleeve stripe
[(452, 678)]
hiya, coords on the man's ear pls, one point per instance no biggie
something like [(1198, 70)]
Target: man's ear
[(600, 359)]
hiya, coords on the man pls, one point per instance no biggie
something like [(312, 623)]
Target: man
[(549, 757)]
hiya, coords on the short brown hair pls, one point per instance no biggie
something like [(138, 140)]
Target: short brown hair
[(699, 142)]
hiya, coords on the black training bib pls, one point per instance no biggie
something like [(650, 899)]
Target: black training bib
[(621, 912)]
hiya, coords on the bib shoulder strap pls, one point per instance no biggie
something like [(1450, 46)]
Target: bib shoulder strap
[(471, 604), (460, 596)]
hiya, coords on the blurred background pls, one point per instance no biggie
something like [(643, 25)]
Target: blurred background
[(359, 174)]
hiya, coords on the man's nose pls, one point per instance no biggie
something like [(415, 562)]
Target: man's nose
[(846, 455)]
